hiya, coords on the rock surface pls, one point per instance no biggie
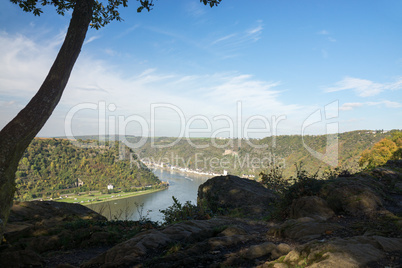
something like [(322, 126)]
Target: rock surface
[(310, 206), (349, 222), (359, 251), (303, 229), (236, 196), (38, 229)]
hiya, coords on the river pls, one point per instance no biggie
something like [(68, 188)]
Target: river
[(182, 186)]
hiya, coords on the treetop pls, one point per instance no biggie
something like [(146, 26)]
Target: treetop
[(104, 11)]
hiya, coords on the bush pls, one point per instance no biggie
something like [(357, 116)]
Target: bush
[(331, 173), (272, 178), (304, 184), (178, 212)]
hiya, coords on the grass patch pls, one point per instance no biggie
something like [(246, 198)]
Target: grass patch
[(96, 198), (173, 249)]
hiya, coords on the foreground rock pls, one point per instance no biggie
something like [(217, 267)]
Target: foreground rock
[(138, 249), (359, 251), (37, 230), (243, 243), (40, 219), (345, 222), (348, 222), (209, 243), (236, 196), (310, 206)]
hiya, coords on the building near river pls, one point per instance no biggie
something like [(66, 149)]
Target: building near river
[(79, 183)]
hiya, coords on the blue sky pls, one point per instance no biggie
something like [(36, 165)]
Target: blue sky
[(183, 66)]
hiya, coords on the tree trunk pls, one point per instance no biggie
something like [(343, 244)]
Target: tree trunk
[(17, 135)]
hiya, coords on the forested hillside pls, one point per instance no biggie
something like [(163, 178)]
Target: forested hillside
[(389, 148), (51, 167), (242, 157)]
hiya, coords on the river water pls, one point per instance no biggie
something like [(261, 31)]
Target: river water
[(182, 186)]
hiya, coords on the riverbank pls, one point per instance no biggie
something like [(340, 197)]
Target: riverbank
[(191, 172), (97, 197), (186, 172)]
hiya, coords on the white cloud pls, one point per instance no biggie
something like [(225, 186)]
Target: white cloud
[(386, 103), (323, 32), (262, 96), (350, 106), (26, 62), (91, 39), (255, 32), (7, 103), (395, 86), (363, 87), (110, 52), (194, 9), (232, 42), (226, 37), (128, 31)]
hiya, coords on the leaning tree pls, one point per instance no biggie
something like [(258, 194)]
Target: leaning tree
[(19, 132)]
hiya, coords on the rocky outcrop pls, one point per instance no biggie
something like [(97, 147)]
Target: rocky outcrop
[(41, 218), (359, 251), (244, 243), (37, 228), (344, 225), (37, 211), (236, 196), (303, 229), (210, 243), (310, 206), (346, 222), (138, 249), (362, 195)]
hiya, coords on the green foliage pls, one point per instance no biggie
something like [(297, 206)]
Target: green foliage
[(288, 148), (382, 151), (396, 135), (56, 166), (178, 212), (140, 210), (173, 248), (332, 173), (398, 153), (273, 179), (301, 185), (211, 3), (304, 184), (80, 231), (104, 11)]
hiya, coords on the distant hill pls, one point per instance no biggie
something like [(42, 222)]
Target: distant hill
[(238, 157), (51, 167)]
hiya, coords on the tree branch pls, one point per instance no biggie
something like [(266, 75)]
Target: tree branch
[(19, 132)]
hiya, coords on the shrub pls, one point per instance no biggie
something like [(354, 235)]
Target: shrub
[(333, 173), (178, 212), (272, 178), (304, 184)]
